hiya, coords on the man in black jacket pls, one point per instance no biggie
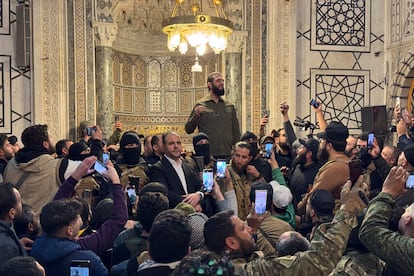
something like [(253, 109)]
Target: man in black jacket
[(182, 182)]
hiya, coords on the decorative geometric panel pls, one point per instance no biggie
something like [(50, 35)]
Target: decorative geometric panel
[(396, 18), (409, 31), (126, 73), (127, 100), (5, 94), (140, 106), (186, 102), (140, 74), (170, 72), (171, 102), (186, 74), (155, 101), (342, 94), (115, 70), (5, 17), (154, 74), (117, 98), (199, 94), (341, 25)]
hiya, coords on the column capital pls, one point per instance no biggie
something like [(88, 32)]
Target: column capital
[(235, 41), (105, 33)]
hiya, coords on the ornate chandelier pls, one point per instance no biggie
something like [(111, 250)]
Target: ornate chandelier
[(197, 29)]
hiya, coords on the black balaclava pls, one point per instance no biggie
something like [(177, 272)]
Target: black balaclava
[(130, 156), (202, 150), (75, 151)]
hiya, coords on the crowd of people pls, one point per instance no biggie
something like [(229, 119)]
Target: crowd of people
[(324, 204)]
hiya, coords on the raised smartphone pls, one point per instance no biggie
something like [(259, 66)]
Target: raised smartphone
[(99, 167), (208, 180), (105, 157), (409, 184), (221, 168), (268, 150), (260, 202), (370, 140), (80, 268), (314, 103)]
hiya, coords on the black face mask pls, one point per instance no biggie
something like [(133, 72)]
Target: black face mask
[(364, 156), (254, 149), (203, 150), (131, 155), (218, 92)]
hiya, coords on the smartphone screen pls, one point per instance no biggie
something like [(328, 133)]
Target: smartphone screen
[(355, 170), (208, 180), (221, 168), (80, 268), (370, 140), (105, 157), (260, 201), (409, 184), (99, 167), (268, 150)]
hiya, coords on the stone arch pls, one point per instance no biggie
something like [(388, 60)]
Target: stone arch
[(404, 82)]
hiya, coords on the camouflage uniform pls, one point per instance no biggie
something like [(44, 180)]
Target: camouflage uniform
[(396, 250), (326, 249), (355, 263), (133, 170), (242, 185)]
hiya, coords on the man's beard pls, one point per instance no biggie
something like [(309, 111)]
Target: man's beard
[(349, 152), (217, 91), (51, 149), (323, 154), (238, 170), (247, 248), (300, 159)]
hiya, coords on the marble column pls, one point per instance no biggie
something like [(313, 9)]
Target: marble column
[(234, 70), (105, 34)]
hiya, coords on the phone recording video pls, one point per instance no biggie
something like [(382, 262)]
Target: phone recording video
[(260, 201), (105, 157), (221, 168), (314, 103), (80, 268), (268, 150), (355, 170), (208, 180), (370, 140), (99, 167), (409, 184)]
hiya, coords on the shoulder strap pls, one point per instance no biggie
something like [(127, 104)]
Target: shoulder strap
[(21, 180)]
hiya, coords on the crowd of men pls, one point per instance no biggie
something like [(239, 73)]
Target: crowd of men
[(324, 204)]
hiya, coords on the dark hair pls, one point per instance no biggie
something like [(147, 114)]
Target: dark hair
[(33, 136), (60, 145), (146, 139), (261, 185), (154, 187), (216, 229), (101, 212), (338, 146), (205, 261), (154, 140), (169, 238), (84, 213), (12, 139), (212, 76), (149, 206), (20, 266), (58, 214), (8, 198), (21, 223), (292, 244), (243, 145), (3, 139)]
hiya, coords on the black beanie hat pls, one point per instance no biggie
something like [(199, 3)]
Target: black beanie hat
[(129, 137), (409, 154), (198, 137)]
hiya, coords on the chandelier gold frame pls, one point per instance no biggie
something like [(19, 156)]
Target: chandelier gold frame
[(197, 30)]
